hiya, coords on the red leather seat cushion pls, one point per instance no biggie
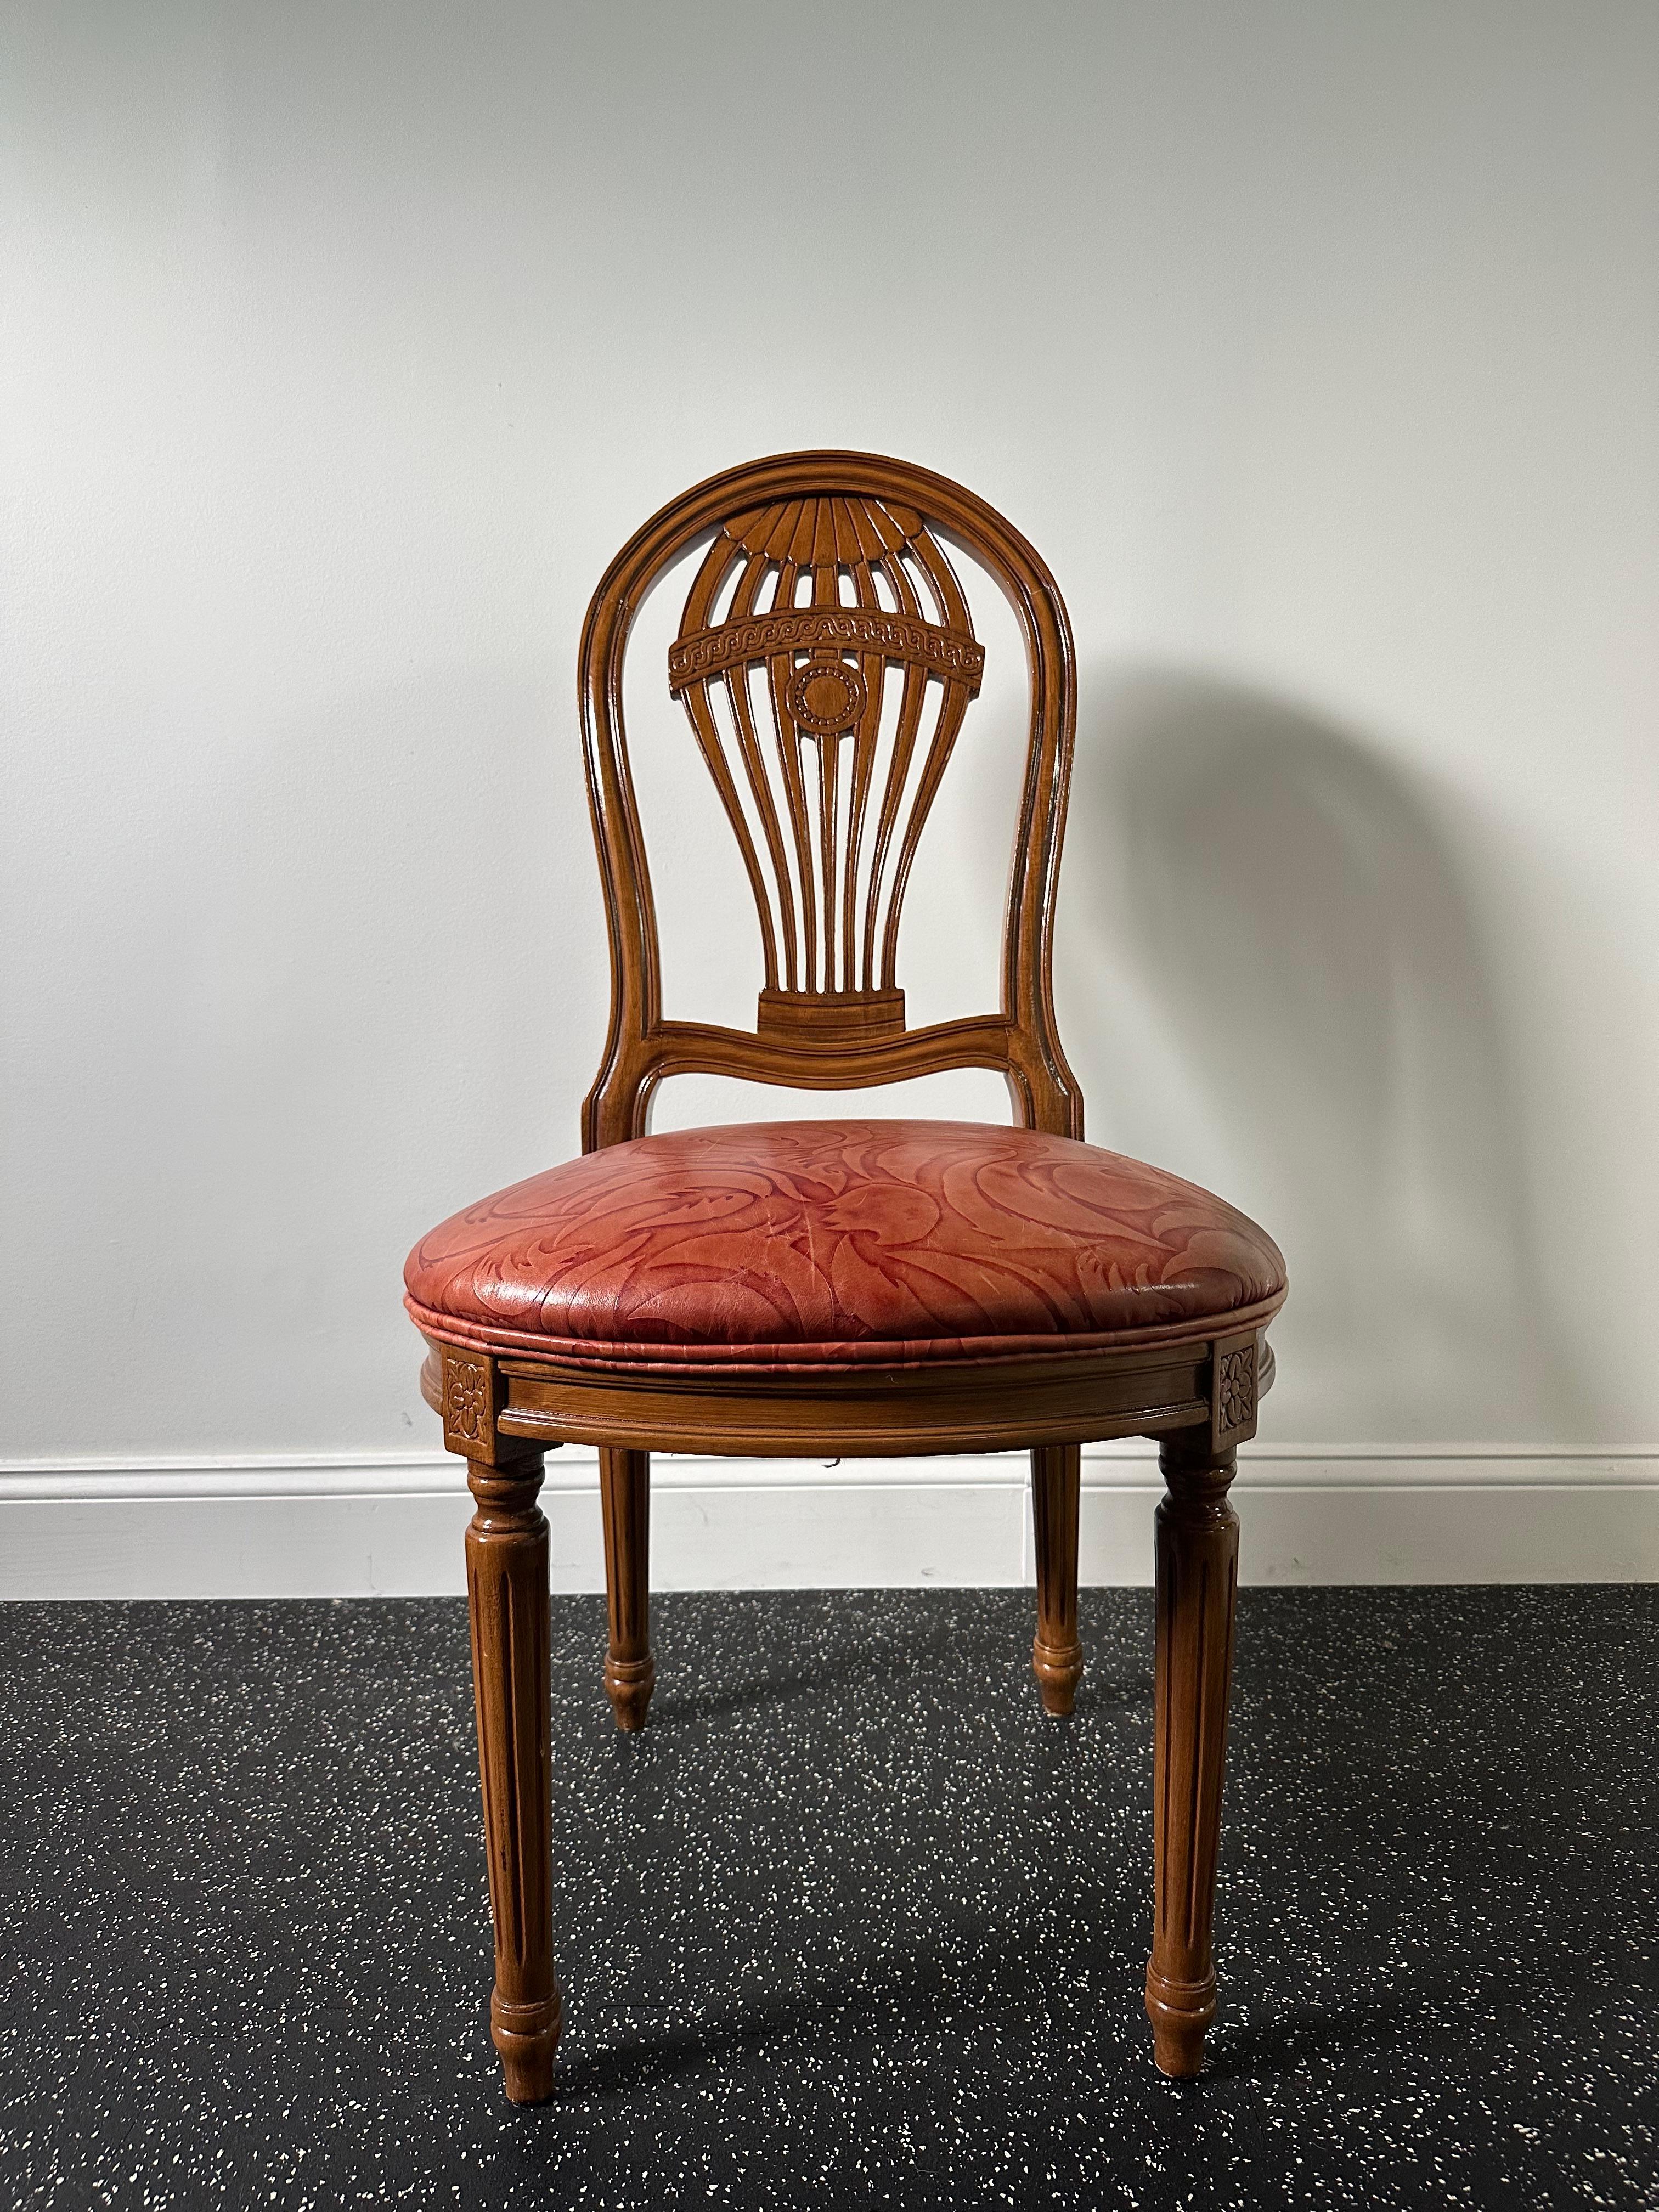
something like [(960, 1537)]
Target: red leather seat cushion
[(814, 1243)]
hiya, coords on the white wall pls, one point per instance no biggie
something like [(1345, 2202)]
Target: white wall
[(1318, 350)]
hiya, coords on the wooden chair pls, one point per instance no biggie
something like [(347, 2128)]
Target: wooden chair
[(819, 1288)]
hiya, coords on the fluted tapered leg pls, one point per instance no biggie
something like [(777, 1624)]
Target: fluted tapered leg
[(1197, 1586), (1056, 1655), (630, 1673), (507, 1588)]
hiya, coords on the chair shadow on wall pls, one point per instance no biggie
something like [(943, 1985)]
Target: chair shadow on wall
[(1274, 982)]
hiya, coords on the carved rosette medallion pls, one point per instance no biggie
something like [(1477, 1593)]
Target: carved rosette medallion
[(467, 1400), (826, 697), (1233, 1394)]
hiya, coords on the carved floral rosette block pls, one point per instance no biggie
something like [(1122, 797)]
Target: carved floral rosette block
[(1233, 1390)]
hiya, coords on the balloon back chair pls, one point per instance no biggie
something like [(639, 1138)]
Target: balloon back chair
[(862, 1287)]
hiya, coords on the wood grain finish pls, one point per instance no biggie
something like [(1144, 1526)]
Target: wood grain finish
[(507, 1580), (821, 1288), (829, 800), (630, 1674), (1056, 1655), (1197, 1585), (987, 1406), (818, 598)]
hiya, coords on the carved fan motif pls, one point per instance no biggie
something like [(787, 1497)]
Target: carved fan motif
[(826, 769)]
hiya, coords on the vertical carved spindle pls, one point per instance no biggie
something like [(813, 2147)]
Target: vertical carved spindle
[(506, 1587), (630, 1673), (1197, 1584), (1056, 1655)]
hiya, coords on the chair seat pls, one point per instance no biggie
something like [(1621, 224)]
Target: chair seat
[(807, 1245)]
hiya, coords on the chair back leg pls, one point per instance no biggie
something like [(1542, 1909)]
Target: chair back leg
[(1056, 1655), (630, 1673), (1197, 1544)]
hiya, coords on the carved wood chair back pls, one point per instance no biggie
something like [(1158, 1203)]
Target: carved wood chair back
[(825, 660)]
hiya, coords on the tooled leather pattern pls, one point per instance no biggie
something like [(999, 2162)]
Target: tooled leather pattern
[(839, 1243)]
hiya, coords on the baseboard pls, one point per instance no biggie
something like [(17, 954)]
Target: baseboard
[(367, 1525)]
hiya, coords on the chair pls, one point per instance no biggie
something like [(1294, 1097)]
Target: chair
[(861, 1287)]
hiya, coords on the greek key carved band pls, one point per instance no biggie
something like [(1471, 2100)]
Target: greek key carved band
[(868, 629)]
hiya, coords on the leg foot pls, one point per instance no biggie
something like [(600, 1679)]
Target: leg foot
[(630, 1673), (527, 2036), (1058, 1673), (1056, 1655), (507, 1590), (1197, 1585), (628, 1684), (1179, 2013)]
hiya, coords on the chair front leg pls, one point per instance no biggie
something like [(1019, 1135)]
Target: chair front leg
[(1197, 1585), (630, 1673), (508, 1593), (1056, 1655)]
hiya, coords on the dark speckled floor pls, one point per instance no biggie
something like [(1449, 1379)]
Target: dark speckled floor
[(850, 1925)]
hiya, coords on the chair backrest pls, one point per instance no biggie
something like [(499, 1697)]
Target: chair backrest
[(824, 572)]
